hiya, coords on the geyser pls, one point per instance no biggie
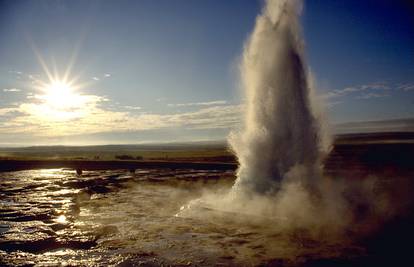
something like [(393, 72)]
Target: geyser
[(280, 188), (281, 138), (281, 144)]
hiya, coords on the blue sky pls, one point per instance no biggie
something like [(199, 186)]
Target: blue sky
[(168, 70)]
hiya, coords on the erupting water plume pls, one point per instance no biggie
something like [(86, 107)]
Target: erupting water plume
[(281, 138), (283, 142)]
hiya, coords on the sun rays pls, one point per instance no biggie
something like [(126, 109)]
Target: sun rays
[(59, 97)]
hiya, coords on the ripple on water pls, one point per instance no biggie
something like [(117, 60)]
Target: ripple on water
[(50, 216)]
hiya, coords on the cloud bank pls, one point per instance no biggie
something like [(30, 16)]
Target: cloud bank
[(91, 116)]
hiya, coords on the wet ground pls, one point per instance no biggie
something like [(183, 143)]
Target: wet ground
[(54, 217)]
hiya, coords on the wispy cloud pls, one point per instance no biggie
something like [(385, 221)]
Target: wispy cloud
[(11, 90), (15, 72), (7, 111), (103, 76), (92, 115), (333, 103), (210, 103), (132, 107), (372, 95), (406, 87), (357, 89), (208, 118), (30, 95), (375, 86)]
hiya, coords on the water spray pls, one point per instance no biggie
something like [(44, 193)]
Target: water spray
[(281, 137)]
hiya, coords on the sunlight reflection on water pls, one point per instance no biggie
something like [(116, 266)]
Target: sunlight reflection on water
[(61, 219), (104, 216)]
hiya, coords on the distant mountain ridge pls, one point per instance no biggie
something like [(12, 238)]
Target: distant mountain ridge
[(380, 126)]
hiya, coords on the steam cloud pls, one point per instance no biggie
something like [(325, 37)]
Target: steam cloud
[(284, 140), (281, 133)]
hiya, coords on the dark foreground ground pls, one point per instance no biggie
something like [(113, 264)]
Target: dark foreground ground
[(121, 212)]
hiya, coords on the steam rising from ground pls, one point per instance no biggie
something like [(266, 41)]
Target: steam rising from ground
[(281, 146), (283, 142), (281, 138)]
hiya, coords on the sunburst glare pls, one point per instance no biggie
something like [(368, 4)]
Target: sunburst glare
[(59, 97)]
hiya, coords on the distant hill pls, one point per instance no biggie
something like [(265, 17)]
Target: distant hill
[(125, 147)]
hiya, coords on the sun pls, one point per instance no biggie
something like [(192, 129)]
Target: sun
[(60, 95), (59, 91), (59, 98)]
